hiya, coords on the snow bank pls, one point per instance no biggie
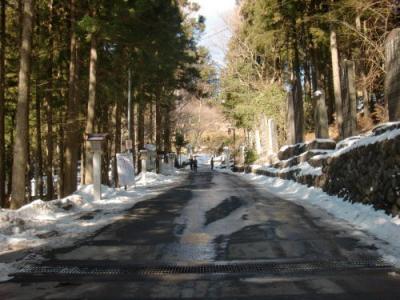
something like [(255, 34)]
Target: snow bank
[(304, 169), (356, 142), (363, 217), (60, 223)]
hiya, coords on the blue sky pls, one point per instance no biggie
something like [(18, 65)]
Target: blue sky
[(217, 32)]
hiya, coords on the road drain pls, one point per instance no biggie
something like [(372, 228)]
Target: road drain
[(228, 268)]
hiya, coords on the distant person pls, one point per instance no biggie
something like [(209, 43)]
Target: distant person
[(191, 163), (212, 163), (195, 164)]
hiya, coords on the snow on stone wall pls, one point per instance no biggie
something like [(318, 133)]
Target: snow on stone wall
[(365, 169)]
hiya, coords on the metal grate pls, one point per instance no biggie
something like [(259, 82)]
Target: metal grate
[(216, 269)]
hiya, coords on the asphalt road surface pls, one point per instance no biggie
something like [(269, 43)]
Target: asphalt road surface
[(214, 237)]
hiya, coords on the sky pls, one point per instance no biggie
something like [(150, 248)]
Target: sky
[(217, 33)]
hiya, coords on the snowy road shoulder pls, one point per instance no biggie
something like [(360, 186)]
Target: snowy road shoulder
[(384, 228), (60, 223)]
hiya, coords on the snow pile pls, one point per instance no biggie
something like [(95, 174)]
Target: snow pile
[(60, 223), (367, 140), (364, 217), (303, 169)]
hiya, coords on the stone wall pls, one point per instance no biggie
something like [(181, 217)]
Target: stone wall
[(368, 173)]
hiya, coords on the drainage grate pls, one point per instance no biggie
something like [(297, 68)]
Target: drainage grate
[(211, 269)]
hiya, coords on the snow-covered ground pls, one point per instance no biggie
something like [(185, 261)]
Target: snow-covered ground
[(384, 230), (60, 223)]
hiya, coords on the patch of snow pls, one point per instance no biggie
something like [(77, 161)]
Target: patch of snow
[(348, 142), (307, 169), (193, 219), (363, 217), (285, 147), (304, 169), (367, 140), (59, 223), (6, 269), (322, 141)]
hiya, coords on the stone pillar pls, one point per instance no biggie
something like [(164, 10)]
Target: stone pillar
[(97, 175), (258, 142), (264, 135), (349, 97), (242, 155), (227, 156), (320, 115), (33, 187), (392, 80), (273, 146), (171, 161), (143, 160)]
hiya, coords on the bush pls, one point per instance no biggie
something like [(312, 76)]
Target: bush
[(251, 156)]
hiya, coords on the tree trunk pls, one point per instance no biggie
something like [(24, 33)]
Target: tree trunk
[(2, 102), (361, 68), (349, 97), (71, 146), (290, 119), (141, 125), (49, 109), (21, 130), (167, 129), (297, 93), (61, 150), (320, 110), (392, 65), (116, 144), (151, 123), (90, 121), (336, 82), (158, 130), (39, 155), (330, 94), (10, 158)]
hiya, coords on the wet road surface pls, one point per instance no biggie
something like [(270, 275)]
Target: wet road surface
[(214, 237)]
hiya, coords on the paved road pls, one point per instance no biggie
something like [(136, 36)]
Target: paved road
[(215, 236)]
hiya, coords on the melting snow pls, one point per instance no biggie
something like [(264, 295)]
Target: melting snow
[(60, 223), (363, 217)]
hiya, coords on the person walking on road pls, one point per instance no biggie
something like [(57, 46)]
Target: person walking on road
[(212, 163), (191, 163), (195, 164)]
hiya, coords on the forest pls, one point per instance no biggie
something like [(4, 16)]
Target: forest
[(301, 62), (134, 69), (67, 69)]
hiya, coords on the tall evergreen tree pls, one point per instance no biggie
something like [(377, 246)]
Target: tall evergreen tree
[(21, 131)]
